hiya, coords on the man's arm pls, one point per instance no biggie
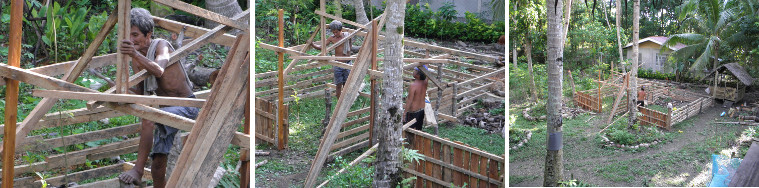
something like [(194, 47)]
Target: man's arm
[(155, 68), (409, 99)]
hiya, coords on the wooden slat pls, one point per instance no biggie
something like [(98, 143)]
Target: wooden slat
[(425, 177), (124, 98), (457, 161), (193, 31), (353, 131), (349, 141), (192, 9)]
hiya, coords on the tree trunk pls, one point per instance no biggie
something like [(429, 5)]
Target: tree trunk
[(360, 13), (619, 27), (528, 53), (387, 169), (554, 166), (567, 18), (227, 8), (514, 50), (633, 87)]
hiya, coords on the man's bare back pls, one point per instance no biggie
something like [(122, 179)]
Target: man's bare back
[(416, 94)]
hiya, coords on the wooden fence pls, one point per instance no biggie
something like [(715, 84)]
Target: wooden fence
[(588, 101), (653, 117), (691, 109), (266, 123), (446, 162)]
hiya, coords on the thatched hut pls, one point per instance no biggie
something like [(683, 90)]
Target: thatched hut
[(731, 82)]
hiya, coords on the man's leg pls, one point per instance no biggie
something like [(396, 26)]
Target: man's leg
[(158, 169), (339, 89), (146, 143)]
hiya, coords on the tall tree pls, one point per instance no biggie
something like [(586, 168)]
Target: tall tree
[(387, 169), (360, 12), (710, 21), (529, 23), (632, 88), (619, 28), (554, 165)]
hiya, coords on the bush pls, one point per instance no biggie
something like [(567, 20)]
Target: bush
[(421, 21)]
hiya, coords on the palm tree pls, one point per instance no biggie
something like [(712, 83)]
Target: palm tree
[(554, 165), (709, 21), (633, 84), (387, 172)]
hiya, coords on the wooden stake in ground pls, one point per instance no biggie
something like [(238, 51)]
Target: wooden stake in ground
[(281, 84), (11, 94)]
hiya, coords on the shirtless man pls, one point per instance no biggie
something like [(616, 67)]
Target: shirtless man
[(641, 97), (414, 108), (342, 50), (153, 55)]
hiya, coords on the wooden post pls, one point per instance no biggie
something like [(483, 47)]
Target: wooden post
[(439, 94), (572, 83), (373, 100), (600, 84), (327, 106), (245, 154), (11, 93), (281, 80), (454, 104), (122, 61)]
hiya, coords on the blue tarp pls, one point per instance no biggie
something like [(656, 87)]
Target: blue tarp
[(723, 169)]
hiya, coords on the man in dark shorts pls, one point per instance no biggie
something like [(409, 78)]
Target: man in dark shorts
[(153, 56), (641, 97), (342, 50), (417, 91)]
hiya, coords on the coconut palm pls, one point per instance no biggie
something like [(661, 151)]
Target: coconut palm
[(554, 166), (709, 22)]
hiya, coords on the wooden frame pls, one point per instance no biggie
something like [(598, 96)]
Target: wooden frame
[(45, 77)]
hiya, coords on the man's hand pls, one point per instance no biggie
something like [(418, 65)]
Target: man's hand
[(127, 48)]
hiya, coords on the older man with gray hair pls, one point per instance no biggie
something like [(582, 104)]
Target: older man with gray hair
[(343, 50), (153, 56)]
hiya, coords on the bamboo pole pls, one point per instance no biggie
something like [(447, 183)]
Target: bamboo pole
[(11, 93), (281, 80)]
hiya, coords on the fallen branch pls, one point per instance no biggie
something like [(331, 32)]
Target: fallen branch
[(261, 163), (262, 153)]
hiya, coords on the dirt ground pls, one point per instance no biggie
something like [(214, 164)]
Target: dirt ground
[(681, 161)]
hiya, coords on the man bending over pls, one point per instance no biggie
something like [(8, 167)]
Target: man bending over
[(171, 81)]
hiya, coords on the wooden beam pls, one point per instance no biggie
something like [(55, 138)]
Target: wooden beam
[(203, 40), (225, 107), (122, 98), (491, 74), (54, 70), (305, 48), (456, 145), (82, 175), (353, 163), (281, 84), (203, 13), (122, 61), (193, 31), (11, 93), (341, 110)]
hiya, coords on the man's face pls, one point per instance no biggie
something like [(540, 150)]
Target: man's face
[(141, 41), (336, 32)]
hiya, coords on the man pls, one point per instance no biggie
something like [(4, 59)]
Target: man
[(171, 81), (417, 91), (641, 97), (342, 50)]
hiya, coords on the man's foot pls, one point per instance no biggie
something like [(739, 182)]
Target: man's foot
[(132, 176)]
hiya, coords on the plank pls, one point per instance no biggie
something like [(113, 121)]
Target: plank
[(203, 13), (483, 171), (425, 177), (349, 141), (494, 172), (122, 98), (281, 83), (617, 100), (353, 131), (427, 151), (185, 50), (61, 68), (225, 107), (456, 145), (437, 168), (193, 31), (457, 161), (38, 145), (11, 93), (122, 60), (462, 171), (341, 109)]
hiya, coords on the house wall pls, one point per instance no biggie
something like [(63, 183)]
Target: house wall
[(648, 52)]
